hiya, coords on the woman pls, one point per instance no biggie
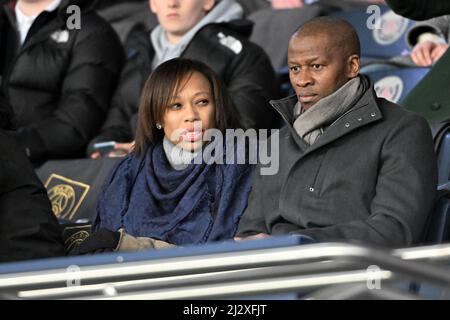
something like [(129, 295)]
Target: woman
[(161, 195)]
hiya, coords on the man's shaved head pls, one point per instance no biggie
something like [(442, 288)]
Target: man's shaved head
[(342, 36)]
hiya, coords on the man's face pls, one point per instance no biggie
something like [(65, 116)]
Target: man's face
[(317, 69), (177, 17)]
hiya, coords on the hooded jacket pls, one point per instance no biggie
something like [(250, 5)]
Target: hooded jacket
[(370, 177), (60, 81)]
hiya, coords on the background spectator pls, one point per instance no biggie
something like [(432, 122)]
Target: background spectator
[(198, 30), (169, 199)]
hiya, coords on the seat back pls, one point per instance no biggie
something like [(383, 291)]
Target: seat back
[(438, 226)]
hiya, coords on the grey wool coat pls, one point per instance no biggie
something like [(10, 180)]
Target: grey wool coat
[(370, 178)]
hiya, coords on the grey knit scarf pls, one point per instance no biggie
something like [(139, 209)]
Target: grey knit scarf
[(310, 124)]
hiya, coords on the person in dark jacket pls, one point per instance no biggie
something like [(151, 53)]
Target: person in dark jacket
[(213, 34), (28, 227), (59, 70), (160, 195), (420, 9), (355, 167)]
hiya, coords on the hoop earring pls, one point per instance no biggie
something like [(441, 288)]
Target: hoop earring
[(158, 126)]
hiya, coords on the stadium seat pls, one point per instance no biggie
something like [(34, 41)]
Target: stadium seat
[(438, 227), (74, 185)]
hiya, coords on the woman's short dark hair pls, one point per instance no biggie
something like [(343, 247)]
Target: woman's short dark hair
[(162, 85)]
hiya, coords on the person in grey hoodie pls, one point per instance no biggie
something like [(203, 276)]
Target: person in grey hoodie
[(209, 31), (355, 167)]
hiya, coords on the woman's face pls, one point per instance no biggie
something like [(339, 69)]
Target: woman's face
[(191, 111)]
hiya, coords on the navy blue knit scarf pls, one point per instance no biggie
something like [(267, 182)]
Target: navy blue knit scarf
[(199, 204)]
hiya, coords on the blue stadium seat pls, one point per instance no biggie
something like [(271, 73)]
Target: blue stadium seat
[(394, 84), (443, 155), (384, 42)]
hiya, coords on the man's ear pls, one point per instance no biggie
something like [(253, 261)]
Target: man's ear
[(354, 65), (208, 5)]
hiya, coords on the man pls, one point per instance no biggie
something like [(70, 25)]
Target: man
[(199, 30), (57, 76), (355, 167)]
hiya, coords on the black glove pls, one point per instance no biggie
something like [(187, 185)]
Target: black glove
[(103, 240)]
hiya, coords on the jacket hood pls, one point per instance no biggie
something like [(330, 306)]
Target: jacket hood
[(285, 106)]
